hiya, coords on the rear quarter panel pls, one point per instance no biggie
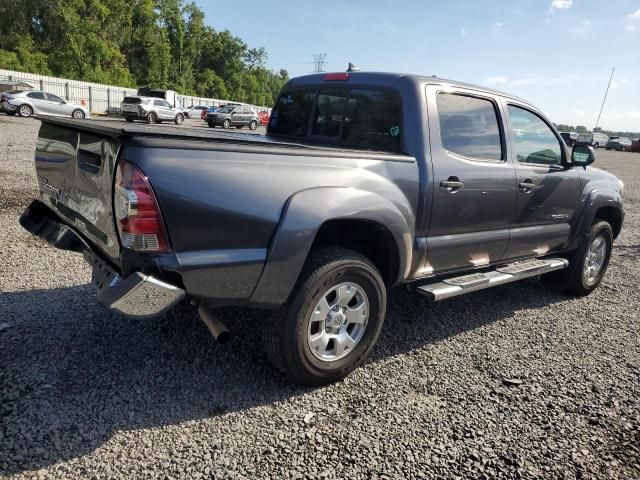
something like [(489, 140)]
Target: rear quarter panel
[(223, 207)]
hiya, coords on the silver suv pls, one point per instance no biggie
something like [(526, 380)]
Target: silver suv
[(234, 116), (151, 110)]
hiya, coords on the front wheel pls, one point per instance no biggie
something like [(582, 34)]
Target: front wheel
[(596, 146), (152, 118), (587, 264), (332, 319), (78, 114)]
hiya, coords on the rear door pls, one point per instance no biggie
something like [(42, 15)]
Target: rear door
[(474, 182), (547, 191), (39, 102)]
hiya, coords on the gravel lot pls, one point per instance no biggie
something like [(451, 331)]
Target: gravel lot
[(87, 394)]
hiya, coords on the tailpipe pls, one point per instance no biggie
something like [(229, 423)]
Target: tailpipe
[(215, 326)]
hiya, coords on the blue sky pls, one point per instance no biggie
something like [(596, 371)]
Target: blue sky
[(556, 53)]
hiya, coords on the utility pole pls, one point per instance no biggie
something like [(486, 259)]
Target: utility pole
[(604, 99), (319, 62)]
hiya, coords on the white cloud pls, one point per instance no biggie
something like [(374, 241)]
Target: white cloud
[(635, 15), (631, 28), (495, 80), (583, 28), (498, 25), (561, 4), (463, 31)]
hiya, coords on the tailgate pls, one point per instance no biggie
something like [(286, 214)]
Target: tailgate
[(75, 172)]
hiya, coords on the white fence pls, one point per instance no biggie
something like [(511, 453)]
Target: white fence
[(95, 96)]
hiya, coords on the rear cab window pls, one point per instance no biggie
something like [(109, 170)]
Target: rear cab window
[(367, 118)]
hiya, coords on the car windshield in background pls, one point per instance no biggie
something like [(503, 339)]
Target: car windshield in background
[(368, 118), (132, 100), (225, 110)]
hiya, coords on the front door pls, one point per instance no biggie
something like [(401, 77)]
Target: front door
[(548, 190), (474, 191)]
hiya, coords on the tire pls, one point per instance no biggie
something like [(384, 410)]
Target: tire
[(211, 124), (226, 123), (253, 125), (78, 114), (287, 334), (596, 146), (25, 111), (129, 119), (179, 120), (573, 279), (152, 118)]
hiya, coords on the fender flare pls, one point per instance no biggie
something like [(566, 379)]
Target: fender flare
[(595, 200), (303, 215)]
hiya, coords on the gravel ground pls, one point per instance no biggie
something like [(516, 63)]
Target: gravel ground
[(510, 382)]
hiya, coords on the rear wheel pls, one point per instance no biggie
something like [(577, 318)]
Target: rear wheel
[(253, 125), (77, 113), (211, 124), (596, 146), (332, 319), (179, 120), (25, 111), (226, 123), (129, 119), (587, 264), (152, 118)]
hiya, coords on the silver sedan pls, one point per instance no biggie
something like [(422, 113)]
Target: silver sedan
[(26, 103)]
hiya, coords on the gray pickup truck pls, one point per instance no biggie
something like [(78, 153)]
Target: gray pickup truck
[(364, 181)]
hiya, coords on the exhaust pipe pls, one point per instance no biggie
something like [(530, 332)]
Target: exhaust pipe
[(215, 326)]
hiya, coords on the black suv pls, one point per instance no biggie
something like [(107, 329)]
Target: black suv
[(234, 116)]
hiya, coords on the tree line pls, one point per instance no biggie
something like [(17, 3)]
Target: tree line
[(129, 43), (580, 128)]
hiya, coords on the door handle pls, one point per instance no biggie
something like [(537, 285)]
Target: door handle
[(526, 185), (452, 184)]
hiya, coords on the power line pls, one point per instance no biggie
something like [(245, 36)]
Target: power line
[(320, 62), (604, 99)]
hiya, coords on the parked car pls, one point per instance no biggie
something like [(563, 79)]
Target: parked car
[(26, 103), (195, 112), (204, 113), (363, 182), (263, 115), (569, 138), (635, 145), (596, 140), (150, 110), (234, 116), (621, 144)]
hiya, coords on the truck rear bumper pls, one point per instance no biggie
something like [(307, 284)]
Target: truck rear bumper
[(137, 296)]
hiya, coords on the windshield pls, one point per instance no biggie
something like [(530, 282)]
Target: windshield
[(225, 110)]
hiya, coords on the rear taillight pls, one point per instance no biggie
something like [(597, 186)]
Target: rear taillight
[(137, 212)]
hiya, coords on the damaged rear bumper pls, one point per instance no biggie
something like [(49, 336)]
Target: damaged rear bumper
[(137, 296)]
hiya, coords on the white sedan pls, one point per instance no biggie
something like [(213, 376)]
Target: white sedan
[(26, 103)]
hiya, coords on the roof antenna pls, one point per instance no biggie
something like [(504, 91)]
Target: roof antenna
[(353, 68)]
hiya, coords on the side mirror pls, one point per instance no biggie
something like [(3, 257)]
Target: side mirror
[(582, 155)]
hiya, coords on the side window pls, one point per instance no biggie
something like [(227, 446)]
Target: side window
[(36, 95), (158, 103), (469, 126), (54, 98), (533, 140)]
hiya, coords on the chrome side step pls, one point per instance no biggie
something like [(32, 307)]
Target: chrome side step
[(454, 286)]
